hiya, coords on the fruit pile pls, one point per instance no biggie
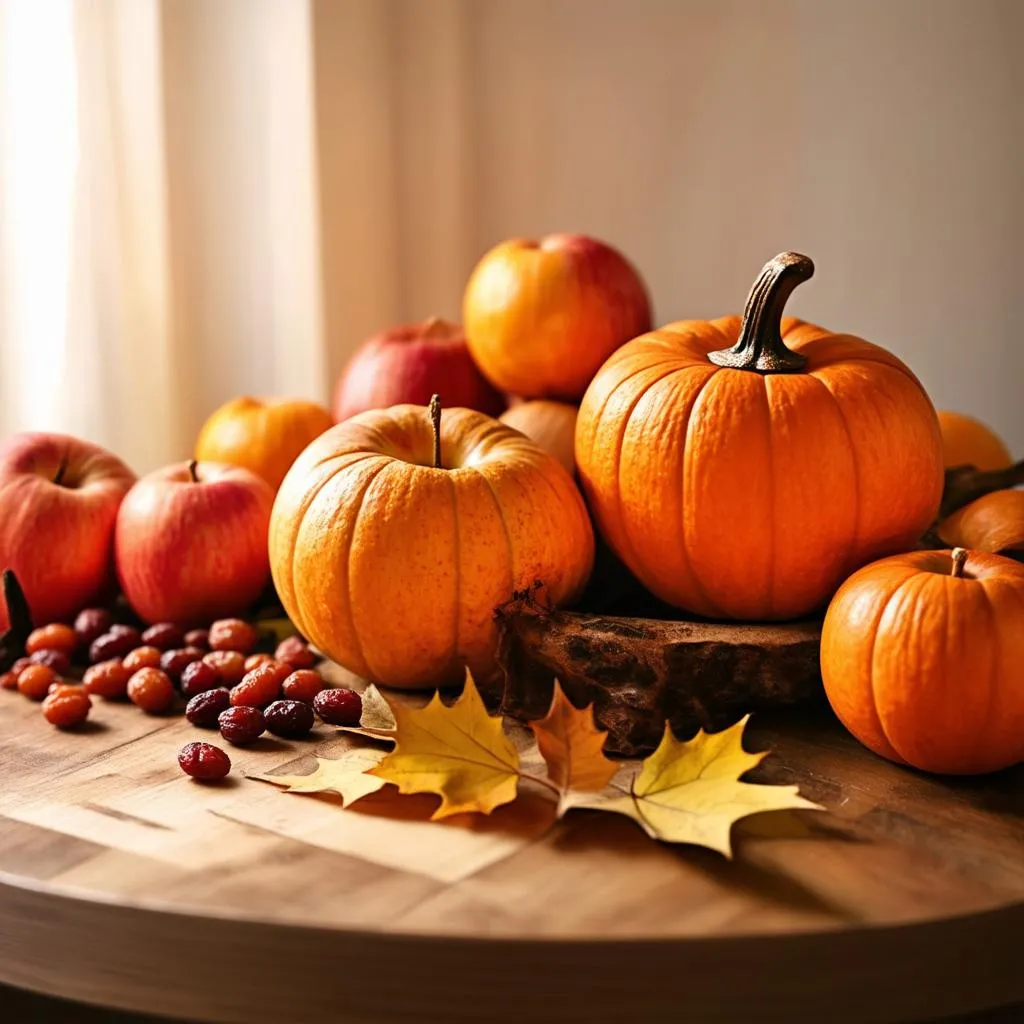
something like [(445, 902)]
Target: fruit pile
[(217, 675), (741, 469)]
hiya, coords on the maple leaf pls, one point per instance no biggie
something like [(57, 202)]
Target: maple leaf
[(689, 792), (572, 747), (377, 720), (345, 775), (459, 753)]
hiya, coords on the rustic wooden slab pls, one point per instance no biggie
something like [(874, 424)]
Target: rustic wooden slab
[(641, 672), (123, 883)]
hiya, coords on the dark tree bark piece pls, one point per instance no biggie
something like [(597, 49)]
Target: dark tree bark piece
[(640, 673)]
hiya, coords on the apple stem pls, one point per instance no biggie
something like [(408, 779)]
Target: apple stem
[(435, 422), (192, 471), (61, 470)]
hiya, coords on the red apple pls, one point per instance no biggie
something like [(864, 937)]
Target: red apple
[(409, 364), (542, 316), (58, 503), (191, 543)]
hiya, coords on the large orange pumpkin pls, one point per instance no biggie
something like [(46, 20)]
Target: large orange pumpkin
[(391, 555), (922, 656), (552, 425), (742, 469), (969, 442)]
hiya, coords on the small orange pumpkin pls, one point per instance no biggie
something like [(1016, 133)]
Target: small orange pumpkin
[(394, 537), (922, 656), (747, 482), (994, 523), (552, 425), (969, 442), (262, 434)]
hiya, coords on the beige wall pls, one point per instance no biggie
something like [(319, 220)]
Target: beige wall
[(882, 137)]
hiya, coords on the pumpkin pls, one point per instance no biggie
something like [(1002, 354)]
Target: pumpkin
[(396, 535), (264, 435), (742, 469), (968, 442), (993, 523), (552, 425), (541, 315), (922, 656)]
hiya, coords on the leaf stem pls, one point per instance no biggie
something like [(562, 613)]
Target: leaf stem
[(541, 780)]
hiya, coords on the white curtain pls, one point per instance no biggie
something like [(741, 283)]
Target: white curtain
[(202, 198)]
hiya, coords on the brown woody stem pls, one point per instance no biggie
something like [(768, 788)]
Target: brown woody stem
[(959, 557), (61, 470), (435, 422), (192, 471), (965, 484), (760, 347)]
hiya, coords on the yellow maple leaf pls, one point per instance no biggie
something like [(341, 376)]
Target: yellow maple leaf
[(377, 720), (459, 753), (689, 792), (572, 746), (345, 775)]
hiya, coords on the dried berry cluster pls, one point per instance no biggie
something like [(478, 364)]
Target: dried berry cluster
[(224, 682)]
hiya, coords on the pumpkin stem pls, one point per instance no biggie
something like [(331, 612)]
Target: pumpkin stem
[(435, 423), (192, 471), (760, 347), (959, 557)]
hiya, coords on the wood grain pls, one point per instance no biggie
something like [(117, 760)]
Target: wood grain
[(125, 884)]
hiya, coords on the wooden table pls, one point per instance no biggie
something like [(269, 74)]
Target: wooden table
[(123, 883)]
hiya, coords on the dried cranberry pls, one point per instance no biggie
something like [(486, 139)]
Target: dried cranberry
[(289, 719), (113, 645), (234, 635), (198, 638), (203, 761), (175, 662), (303, 685), (108, 679), (57, 660), (67, 707), (198, 678), (262, 685), (151, 690), (339, 706), (34, 682), (92, 624), (295, 651), (164, 636), (204, 708), (241, 725), (55, 637)]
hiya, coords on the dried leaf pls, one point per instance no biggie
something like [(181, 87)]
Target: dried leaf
[(689, 792), (377, 720), (572, 746), (345, 775), (460, 753)]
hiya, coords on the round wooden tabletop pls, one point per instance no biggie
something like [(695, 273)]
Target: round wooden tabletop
[(125, 884)]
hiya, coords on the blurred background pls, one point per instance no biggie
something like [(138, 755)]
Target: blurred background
[(204, 198)]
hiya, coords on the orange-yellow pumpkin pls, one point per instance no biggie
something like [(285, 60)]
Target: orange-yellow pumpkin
[(994, 523), (969, 442), (743, 469), (391, 556), (922, 656), (262, 434), (552, 425)]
